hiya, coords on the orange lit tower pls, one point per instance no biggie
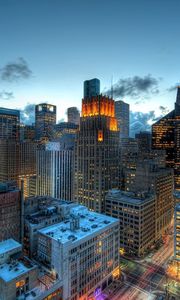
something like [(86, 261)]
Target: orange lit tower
[(97, 149)]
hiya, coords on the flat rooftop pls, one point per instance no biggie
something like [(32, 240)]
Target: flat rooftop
[(9, 272), (130, 197), (8, 245), (90, 223)]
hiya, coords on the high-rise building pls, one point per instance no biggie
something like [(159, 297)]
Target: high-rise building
[(9, 123), (10, 212), (166, 135), (122, 115), (91, 88), (45, 119), (82, 251), (136, 212), (73, 115), (27, 165), (55, 171), (177, 233), (96, 152), (9, 160)]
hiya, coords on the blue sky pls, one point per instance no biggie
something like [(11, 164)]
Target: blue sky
[(65, 42)]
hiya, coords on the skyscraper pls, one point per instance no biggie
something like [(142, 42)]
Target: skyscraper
[(166, 135), (144, 139), (91, 88), (45, 119), (55, 171), (96, 152), (122, 115), (9, 123), (73, 115)]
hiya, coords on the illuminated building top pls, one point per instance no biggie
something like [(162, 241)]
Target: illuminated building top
[(100, 106)]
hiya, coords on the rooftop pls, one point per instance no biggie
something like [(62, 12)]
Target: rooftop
[(8, 245), (8, 111), (130, 197), (11, 271), (89, 223)]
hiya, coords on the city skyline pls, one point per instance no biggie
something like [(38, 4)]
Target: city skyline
[(62, 47)]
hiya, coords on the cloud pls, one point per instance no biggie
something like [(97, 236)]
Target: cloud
[(14, 71), (135, 87), (140, 121), (4, 95), (28, 114)]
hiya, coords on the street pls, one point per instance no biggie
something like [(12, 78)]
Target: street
[(145, 279)]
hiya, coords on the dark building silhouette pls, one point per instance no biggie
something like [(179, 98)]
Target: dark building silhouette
[(91, 88), (144, 139), (73, 115), (166, 135)]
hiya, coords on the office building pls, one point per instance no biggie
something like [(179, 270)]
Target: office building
[(9, 123), (55, 171), (10, 212), (165, 135), (144, 139), (27, 165), (40, 212), (27, 132), (73, 115), (177, 233), (45, 119), (136, 212), (9, 160), (21, 278), (17, 277), (122, 116), (83, 252), (96, 152), (91, 88)]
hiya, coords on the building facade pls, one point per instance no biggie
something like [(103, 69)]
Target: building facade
[(177, 233), (10, 212), (73, 115), (137, 220), (9, 123), (166, 136), (91, 88), (122, 115), (96, 152), (45, 119), (55, 172), (83, 251)]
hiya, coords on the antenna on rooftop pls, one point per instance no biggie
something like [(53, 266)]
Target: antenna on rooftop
[(112, 87)]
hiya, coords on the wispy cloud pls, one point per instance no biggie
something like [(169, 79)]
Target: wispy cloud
[(14, 71), (4, 95), (135, 87)]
